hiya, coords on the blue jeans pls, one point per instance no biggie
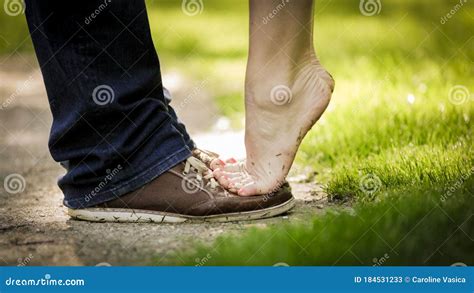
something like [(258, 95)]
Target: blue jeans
[(113, 128)]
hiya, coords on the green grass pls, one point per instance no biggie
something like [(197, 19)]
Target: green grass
[(391, 141), (422, 226)]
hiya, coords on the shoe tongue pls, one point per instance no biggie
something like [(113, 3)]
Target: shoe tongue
[(198, 164), (204, 156)]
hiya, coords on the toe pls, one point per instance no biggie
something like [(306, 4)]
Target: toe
[(217, 172), (216, 163), (236, 183), (232, 174), (231, 187), (223, 181), (233, 167)]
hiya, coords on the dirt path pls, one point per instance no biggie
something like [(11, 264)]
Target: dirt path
[(34, 229)]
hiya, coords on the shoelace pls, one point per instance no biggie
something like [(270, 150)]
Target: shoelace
[(205, 155), (202, 171)]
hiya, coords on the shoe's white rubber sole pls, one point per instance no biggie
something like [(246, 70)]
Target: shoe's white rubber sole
[(145, 216)]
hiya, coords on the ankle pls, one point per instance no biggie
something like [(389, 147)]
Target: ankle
[(265, 61), (276, 84)]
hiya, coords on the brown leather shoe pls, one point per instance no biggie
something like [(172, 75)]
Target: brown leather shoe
[(187, 192)]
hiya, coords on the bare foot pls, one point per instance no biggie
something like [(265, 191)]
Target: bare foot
[(281, 107)]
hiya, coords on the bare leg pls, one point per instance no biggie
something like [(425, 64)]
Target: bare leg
[(286, 92)]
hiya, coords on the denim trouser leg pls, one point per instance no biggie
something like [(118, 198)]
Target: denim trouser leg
[(180, 126), (112, 128)]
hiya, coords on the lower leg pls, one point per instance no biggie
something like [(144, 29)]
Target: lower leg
[(278, 43), (104, 87), (287, 90)]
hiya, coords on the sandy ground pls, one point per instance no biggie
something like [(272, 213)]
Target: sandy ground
[(34, 229)]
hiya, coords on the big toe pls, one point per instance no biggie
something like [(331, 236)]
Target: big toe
[(216, 163)]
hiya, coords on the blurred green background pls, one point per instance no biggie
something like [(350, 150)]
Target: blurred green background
[(401, 113)]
